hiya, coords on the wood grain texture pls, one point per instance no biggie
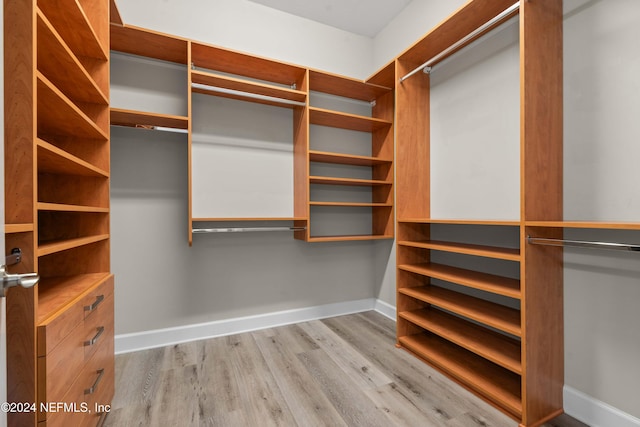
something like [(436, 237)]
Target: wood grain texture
[(321, 81), (143, 119), (60, 65), (242, 85), (541, 133), (149, 43), (412, 145), (541, 126), (465, 248), (322, 117), (459, 24), (75, 23), (342, 371), (495, 315), (346, 159), (301, 164), (233, 62)]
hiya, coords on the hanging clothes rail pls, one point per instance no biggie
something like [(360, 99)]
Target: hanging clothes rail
[(215, 89), (427, 65), (244, 229), (149, 127), (583, 244)]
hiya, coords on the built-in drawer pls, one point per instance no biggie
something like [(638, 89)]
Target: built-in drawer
[(64, 359), (93, 388), (52, 332)]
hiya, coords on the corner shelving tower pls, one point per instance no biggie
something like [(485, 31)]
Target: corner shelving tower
[(57, 205), (500, 337), (380, 161)]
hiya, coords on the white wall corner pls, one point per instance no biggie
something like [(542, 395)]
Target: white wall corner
[(385, 309), (127, 343), (594, 412)]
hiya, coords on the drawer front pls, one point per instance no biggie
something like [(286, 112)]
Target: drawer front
[(93, 386), (60, 369), (51, 334), (57, 370)]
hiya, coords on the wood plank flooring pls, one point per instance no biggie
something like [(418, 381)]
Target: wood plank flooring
[(342, 371)]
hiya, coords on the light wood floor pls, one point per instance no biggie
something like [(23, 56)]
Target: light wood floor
[(343, 371)]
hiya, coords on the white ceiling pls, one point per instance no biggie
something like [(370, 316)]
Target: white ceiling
[(364, 17)]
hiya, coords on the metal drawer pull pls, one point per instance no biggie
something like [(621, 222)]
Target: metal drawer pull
[(91, 390), (95, 305), (93, 340)]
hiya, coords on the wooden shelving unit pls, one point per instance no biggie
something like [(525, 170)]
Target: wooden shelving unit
[(235, 75), (379, 163), (498, 336), (220, 72), (57, 193)]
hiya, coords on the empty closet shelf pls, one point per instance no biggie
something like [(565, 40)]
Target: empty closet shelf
[(345, 159), (486, 282), (147, 120), (352, 204), (347, 181), (467, 249)]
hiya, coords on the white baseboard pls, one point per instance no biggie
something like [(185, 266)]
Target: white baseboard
[(594, 412), (385, 309), (126, 343)]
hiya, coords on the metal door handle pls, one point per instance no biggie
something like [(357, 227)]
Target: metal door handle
[(9, 280)]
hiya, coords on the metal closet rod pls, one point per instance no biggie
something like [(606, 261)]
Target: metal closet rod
[(244, 229), (464, 40), (583, 244), (150, 127), (247, 94)]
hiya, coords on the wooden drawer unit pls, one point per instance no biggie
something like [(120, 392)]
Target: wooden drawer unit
[(93, 386), (69, 365)]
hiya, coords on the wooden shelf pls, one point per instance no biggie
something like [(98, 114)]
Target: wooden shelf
[(57, 115), (497, 222), (249, 87), (55, 293), (59, 64), (322, 117), (347, 181), (495, 347), (132, 118), (352, 204), (346, 159), (492, 382), (491, 314), (57, 207), (70, 20), (486, 282), (52, 159), (48, 248), (345, 238), (320, 81), (465, 20), (232, 62), (467, 249), (248, 219), (585, 224), (385, 76), (151, 44), (17, 228)]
